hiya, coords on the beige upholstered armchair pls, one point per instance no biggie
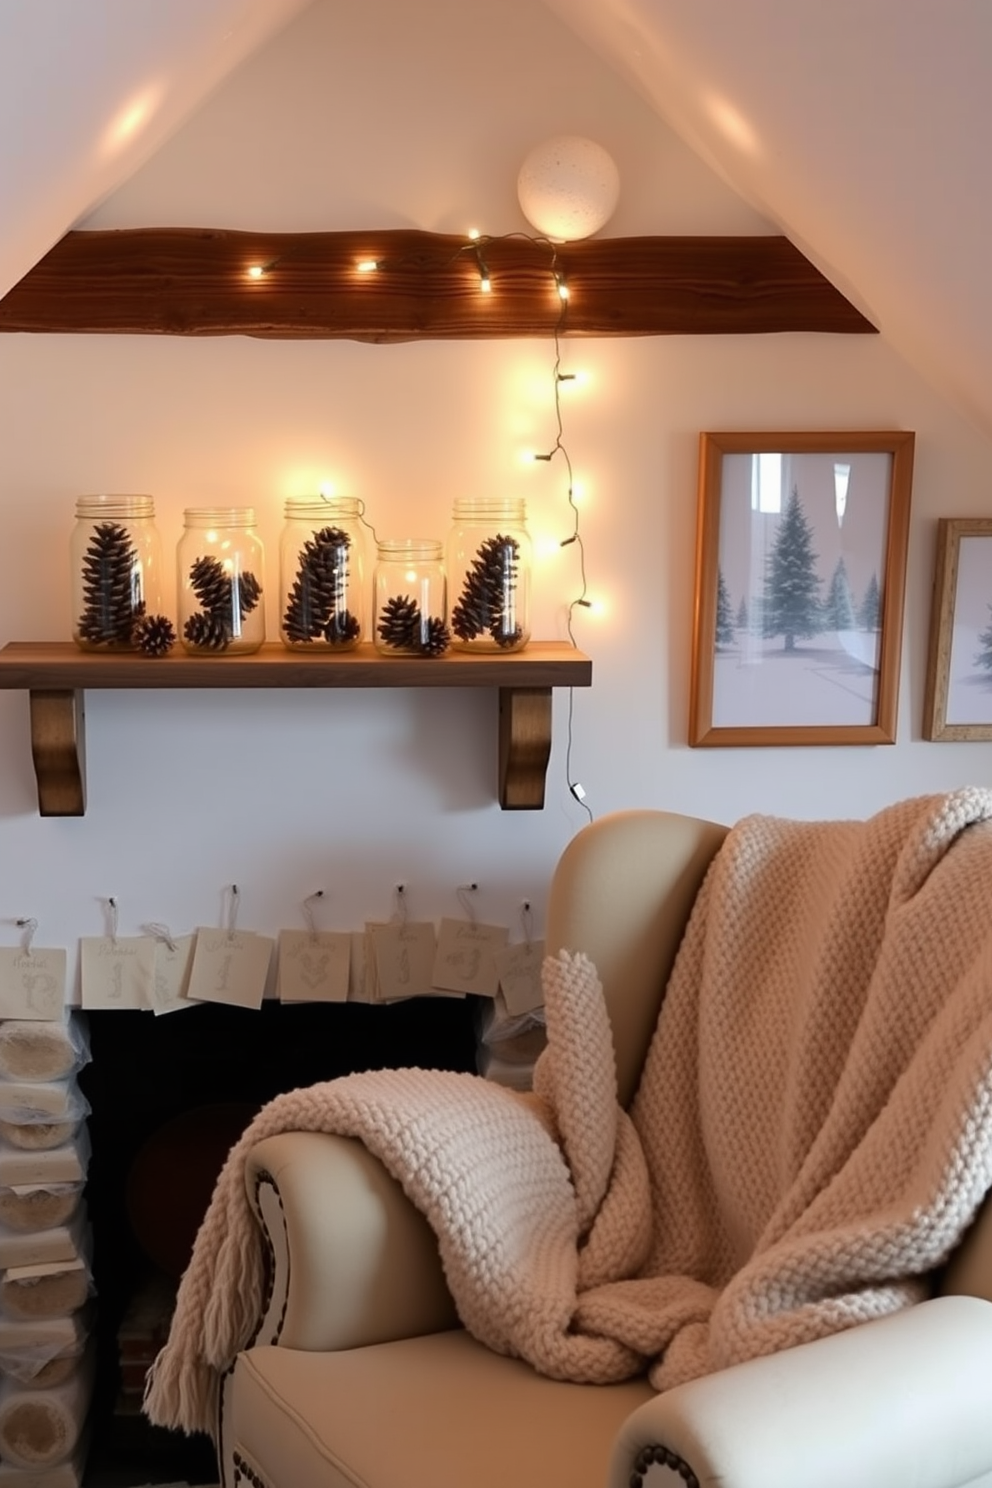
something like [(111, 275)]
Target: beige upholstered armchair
[(360, 1375)]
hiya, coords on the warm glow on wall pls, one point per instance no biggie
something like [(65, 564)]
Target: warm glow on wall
[(299, 482), (732, 125), (130, 120)]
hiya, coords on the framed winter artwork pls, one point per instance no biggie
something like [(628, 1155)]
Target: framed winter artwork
[(957, 703), (800, 577)]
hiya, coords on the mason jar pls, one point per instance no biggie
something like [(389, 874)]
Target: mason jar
[(322, 570), (410, 597), (116, 561), (221, 578), (489, 569)]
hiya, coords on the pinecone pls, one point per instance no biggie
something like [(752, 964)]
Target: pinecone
[(319, 588), (216, 590), (488, 584), (506, 638), (211, 585), (154, 635), (400, 623), (435, 637), (207, 632), (110, 587), (342, 627), (331, 537), (249, 592)]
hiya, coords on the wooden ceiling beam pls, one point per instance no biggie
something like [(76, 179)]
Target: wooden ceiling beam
[(427, 286)]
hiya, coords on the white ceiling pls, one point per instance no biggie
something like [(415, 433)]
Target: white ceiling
[(89, 89), (860, 127)]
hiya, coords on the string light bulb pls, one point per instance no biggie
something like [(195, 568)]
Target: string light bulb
[(368, 265), (257, 271)]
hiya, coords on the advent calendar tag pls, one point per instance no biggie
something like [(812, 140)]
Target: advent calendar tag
[(404, 957), (313, 965), (519, 968), (466, 957), (230, 966), (32, 983), (117, 972), (173, 964), (357, 990)]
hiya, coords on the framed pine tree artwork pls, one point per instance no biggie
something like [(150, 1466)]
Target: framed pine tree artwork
[(957, 703), (801, 543)]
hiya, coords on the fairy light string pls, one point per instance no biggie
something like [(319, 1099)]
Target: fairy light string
[(475, 248)]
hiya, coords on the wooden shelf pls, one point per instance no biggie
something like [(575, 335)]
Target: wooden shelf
[(56, 675)]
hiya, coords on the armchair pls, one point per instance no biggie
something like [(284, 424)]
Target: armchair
[(360, 1376)]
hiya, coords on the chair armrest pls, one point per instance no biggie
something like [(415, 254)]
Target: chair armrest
[(900, 1402), (352, 1261)]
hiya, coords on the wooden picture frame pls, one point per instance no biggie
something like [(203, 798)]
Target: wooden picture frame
[(801, 544), (957, 703)]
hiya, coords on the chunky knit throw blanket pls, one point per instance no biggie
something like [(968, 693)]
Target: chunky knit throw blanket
[(811, 1136)]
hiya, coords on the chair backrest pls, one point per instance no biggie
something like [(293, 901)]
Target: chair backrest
[(969, 1271), (622, 892)]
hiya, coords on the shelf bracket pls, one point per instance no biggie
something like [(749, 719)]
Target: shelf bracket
[(524, 746), (58, 750)]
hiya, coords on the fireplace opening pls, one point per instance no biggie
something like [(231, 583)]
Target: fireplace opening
[(169, 1095)]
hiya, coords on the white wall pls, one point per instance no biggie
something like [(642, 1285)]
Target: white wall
[(385, 116)]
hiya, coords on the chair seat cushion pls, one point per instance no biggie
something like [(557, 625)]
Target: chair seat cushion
[(435, 1412)]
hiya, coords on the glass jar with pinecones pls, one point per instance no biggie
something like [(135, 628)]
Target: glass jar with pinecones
[(322, 573), (489, 568), (116, 561), (221, 582), (410, 598)]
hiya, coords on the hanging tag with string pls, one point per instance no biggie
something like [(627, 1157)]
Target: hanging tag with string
[(466, 950), (230, 965), (173, 965), (404, 952), (116, 971), (313, 964), (519, 968), (32, 978)]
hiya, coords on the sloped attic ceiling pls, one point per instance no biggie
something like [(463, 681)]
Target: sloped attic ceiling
[(857, 126), (89, 89), (860, 127)]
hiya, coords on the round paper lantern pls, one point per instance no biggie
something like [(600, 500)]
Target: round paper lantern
[(568, 187)]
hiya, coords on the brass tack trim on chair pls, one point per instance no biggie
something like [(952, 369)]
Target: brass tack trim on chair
[(270, 1263), (243, 1473), (649, 1455)]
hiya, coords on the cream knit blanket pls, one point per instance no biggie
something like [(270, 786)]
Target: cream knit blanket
[(811, 1137)]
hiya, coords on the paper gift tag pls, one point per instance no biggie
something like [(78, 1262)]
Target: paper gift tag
[(466, 957), (356, 971), (313, 965), (370, 990), (32, 983), (173, 964), (230, 966), (117, 972), (519, 969), (404, 956)]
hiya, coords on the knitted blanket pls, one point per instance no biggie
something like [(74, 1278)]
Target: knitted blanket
[(811, 1136)]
